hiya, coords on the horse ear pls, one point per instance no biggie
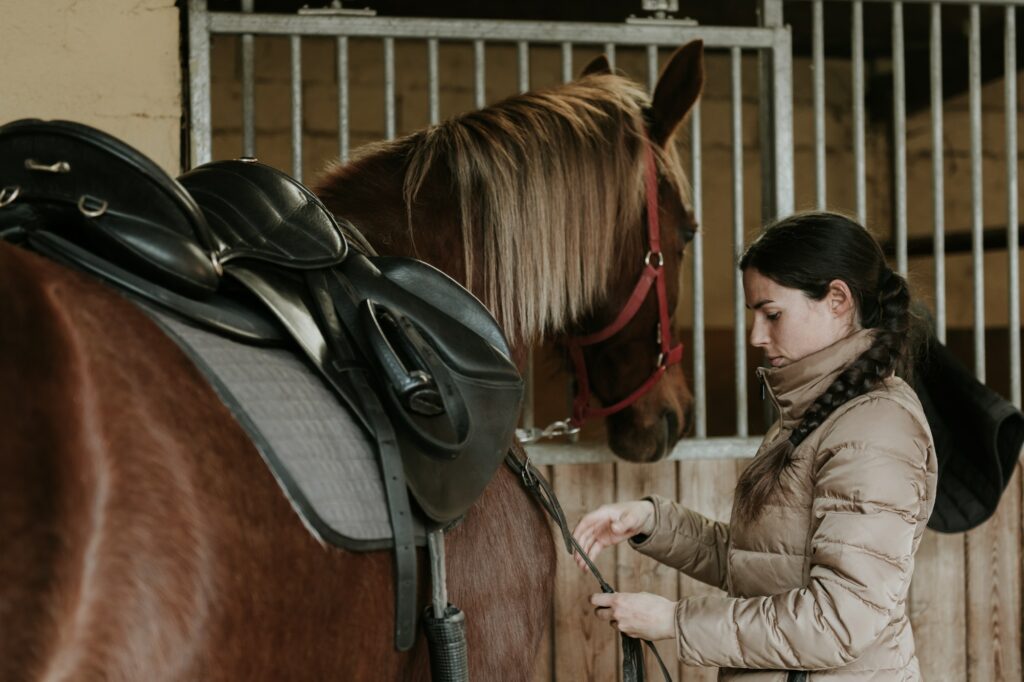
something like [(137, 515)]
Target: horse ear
[(678, 88), (598, 65)]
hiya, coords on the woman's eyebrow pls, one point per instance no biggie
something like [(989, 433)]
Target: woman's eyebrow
[(760, 303)]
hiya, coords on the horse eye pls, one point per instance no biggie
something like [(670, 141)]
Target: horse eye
[(688, 233)]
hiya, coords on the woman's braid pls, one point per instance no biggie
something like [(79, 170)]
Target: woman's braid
[(891, 316)]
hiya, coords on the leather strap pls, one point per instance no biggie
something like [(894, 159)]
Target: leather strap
[(540, 489), (334, 300), (652, 275), (431, 389)]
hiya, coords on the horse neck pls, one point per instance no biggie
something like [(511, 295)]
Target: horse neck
[(369, 193)]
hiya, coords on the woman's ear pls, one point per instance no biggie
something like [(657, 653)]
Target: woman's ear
[(840, 298)]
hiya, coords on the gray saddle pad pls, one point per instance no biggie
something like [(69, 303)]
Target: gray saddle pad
[(324, 462)]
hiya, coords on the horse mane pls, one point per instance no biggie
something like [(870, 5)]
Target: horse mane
[(546, 182)]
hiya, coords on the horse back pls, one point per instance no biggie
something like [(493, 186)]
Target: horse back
[(142, 537)]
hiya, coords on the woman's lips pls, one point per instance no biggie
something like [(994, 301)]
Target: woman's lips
[(775, 361)]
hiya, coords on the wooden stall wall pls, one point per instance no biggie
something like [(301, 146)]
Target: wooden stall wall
[(965, 601)]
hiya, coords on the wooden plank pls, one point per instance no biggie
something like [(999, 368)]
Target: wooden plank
[(636, 572), (585, 647), (706, 487), (994, 593), (938, 607)]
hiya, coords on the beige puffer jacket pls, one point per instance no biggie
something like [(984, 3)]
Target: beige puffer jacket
[(819, 581)]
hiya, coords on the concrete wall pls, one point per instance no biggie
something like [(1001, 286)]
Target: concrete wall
[(112, 64)]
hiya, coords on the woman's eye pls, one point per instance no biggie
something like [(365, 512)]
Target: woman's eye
[(773, 316)]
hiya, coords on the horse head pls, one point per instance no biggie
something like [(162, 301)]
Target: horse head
[(628, 358), (538, 204)]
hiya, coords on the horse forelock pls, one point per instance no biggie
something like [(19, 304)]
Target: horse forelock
[(550, 189)]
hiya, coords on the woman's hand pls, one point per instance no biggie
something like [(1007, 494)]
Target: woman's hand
[(610, 524), (640, 614)]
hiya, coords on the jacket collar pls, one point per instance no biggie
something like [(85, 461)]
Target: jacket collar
[(794, 387)]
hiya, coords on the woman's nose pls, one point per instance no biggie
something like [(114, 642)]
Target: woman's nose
[(758, 335)]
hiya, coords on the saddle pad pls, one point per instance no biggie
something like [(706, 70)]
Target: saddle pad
[(324, 462)]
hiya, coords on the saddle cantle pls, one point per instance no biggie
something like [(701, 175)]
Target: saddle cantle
[(88, 197), (96, 190), (243, 250)]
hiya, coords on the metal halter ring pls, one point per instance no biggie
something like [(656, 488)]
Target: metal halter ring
[(660, 258), (91, 212), (9, 194)]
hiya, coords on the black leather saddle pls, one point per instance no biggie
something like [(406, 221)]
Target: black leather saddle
[(244, 250)]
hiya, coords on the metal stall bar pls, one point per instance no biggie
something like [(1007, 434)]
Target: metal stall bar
[(1012, 251), (343, 107), (566, 62), (700, 411), (432, 81), (781, 104), (977, 246), (686, 449), (248, 90), (528, 418), (479, 74), (859, 165), (776, 114), (652, 68), (938, 179), (547, 32), (609, 51), (819, 104), (296, 49), (523, 55), (899, 126), (199, 82), (739, 311), (389, 88)]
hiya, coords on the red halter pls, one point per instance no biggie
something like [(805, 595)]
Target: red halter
[(653, 273)]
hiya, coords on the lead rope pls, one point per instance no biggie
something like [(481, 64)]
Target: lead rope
[(540, 489)]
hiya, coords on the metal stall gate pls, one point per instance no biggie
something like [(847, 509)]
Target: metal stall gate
[(935, 164), (853, 12), (771, 43)]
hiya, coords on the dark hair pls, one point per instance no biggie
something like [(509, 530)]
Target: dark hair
[(808, 251)]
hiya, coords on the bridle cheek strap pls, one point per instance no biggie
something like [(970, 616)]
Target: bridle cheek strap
[(652, 274)]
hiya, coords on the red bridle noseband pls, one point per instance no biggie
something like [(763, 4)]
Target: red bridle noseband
[(653, 273)]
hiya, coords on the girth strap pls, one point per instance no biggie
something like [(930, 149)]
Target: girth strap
[(333, 300)]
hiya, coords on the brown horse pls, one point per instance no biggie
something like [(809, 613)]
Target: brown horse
[(141, 536)]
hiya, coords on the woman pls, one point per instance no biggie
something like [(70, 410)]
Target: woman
[(818, 557)]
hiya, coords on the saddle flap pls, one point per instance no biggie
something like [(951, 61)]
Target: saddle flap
[(101, 193), (257, 212), (468, 361)]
